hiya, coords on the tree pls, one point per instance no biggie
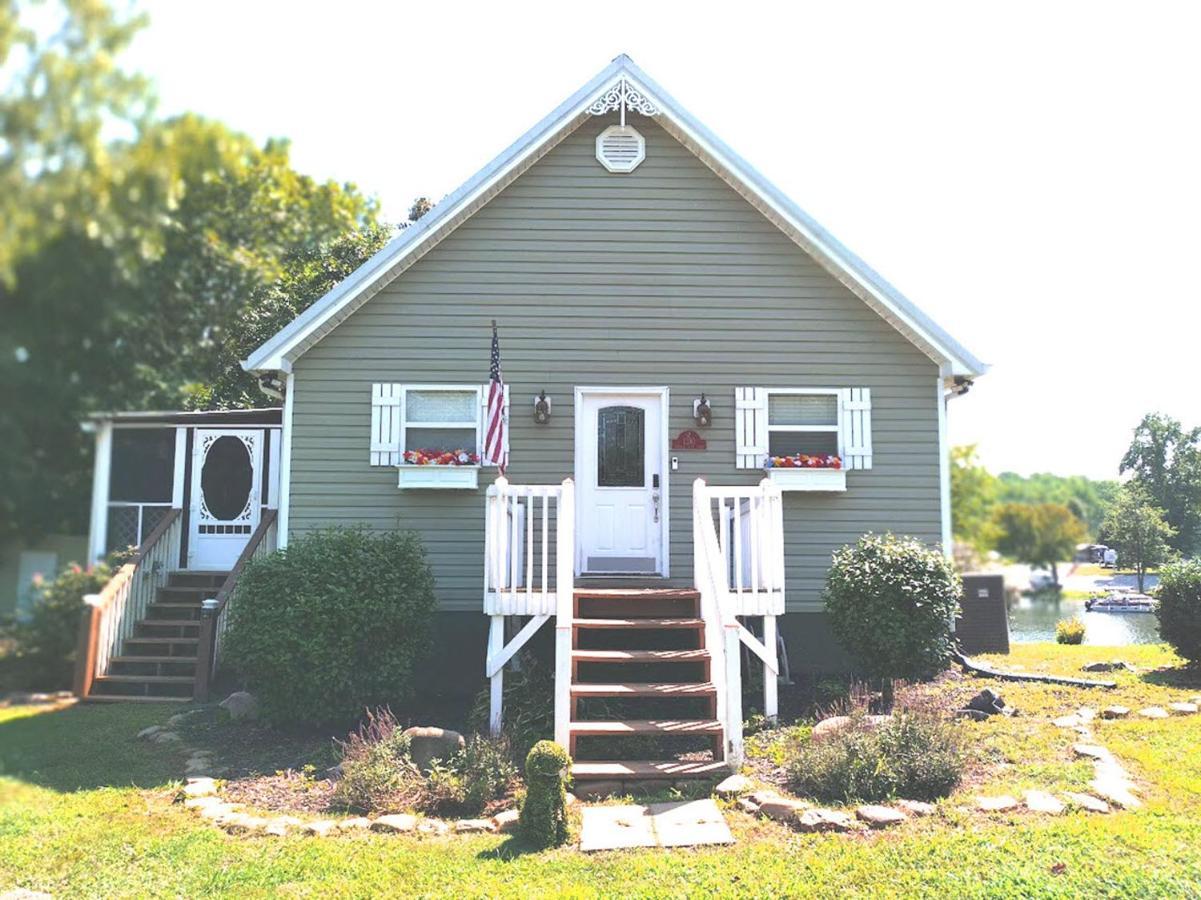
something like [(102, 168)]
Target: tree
[(1165, 461), (1179, 609), (1136, 528), (973, 494), (1040, 535)]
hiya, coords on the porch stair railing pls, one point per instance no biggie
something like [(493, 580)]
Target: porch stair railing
[(214, 613), (109, 616)]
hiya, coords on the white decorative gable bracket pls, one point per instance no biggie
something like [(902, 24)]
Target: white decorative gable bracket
[(620, 97)]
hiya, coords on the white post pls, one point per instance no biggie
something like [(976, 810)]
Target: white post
[(564, 609), (101, 472), (282, 520), (771, 705), (496, 643), (733, 721)]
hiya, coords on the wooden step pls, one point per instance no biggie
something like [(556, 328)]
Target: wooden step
[(145, 679), (637, 594), (133, 698), (621, 770), (639, 623), (645, 689), (170, 623), (661, 727), (640, 656), (154, 659)]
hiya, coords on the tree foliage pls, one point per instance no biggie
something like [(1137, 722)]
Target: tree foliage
[(1179, 608), (1164, 460), (1041, 535), (1136, 528), (973, 496)]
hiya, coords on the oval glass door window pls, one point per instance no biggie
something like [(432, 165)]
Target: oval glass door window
[(226, 478)]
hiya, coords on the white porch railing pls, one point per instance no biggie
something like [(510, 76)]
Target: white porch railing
[(109, 617), (529, 565), (738, 566)]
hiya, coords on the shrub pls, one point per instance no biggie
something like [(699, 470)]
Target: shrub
[(544, 811), (1069, 631), (332, 625), (43, 654), (474, 777), (916, 754), (1179, 608), (529, 706), (891, 602)]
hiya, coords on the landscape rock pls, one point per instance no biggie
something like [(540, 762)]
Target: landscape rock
[(1182, 709), (242, 823), (880, 816), (241, 706), (1115, 712), (214, 812), (1086, 714), (473, 826), (1092, 751), (1068, 721), (432, 826), (25, 894), (1087, 801), (571, 799), (151, 731), (355, 823), (320, 827), (748, 806), (506, 822), (825, 820), (733, 786), (974, 714), (782, 809), (988, 702), (1116, 791), (427, 743), (204, 801), (1042, 802), (400, 823), (200, 787), (1004, 803), (1153, 712), (917, 807), (165, 737), (1115, 666), (827, 728)]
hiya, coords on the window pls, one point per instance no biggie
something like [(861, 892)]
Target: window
[(441, 419), (802, 422)]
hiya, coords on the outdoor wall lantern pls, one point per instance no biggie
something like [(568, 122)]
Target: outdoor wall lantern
[(701, 411), (541, 409)]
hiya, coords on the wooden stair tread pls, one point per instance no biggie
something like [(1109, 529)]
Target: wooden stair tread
[(645, 689), (637, 593), (133, 698), (139, 679), (162, 640), (640, 655), (648, 726), (174, 604), (623, 769), (154, 659), (174, 623), (639, 623)]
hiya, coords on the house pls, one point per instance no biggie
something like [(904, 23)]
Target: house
[(706, 395)]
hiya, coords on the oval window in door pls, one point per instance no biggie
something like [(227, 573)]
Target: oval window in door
[(620, 447), (226, 478)]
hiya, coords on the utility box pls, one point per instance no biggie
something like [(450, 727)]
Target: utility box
[(983, 622)]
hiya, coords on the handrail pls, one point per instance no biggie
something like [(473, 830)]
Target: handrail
[(710, 578), (107, 618), (212, 623)]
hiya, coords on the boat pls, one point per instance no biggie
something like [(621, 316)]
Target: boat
[(1120, 601)]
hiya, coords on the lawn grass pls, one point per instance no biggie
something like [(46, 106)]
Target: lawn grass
[(86, 810)]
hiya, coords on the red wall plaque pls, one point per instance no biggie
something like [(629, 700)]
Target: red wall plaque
[(688, 440)]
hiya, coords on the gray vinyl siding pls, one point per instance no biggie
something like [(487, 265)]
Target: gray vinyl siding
[(660, 277)]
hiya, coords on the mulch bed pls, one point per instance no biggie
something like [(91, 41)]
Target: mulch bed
[(288, 791)]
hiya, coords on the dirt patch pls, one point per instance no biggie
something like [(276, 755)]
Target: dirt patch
[(282, 792)]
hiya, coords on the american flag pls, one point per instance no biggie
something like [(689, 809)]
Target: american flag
[(494, 428)]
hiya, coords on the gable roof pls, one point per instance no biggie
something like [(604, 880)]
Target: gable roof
[(411, 244)]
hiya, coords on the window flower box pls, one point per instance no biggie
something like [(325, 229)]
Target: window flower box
[(807, 473), (446, 469)]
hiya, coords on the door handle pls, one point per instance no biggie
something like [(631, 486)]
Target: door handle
[(655, 503)]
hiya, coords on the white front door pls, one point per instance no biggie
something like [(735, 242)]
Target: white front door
[(227, 475), (621, 488)]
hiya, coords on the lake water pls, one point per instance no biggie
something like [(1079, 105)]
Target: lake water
[(1034, 618)]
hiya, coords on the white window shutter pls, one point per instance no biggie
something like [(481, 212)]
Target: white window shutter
[(385, 424), (750, 427), (482, 431), (856, 427)]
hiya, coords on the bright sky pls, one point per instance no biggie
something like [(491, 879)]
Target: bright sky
[(1027, 173)]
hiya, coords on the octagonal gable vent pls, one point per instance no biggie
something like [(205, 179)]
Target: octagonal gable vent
[(620, 148)]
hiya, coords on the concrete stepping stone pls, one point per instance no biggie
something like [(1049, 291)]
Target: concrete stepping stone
[(1116, 791), (687, 823), (616, 828), (1004, 803), (1153, 712), (1115, 712), (880, 816), (1086, 714), (812, 820), (917, 807), (1183, 709), (200, 787), (1042, 802), (1086, 801)]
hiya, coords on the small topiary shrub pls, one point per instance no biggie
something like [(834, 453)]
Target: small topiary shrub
[(915, 754), (334, 624), (544, 811), (891, 602), (1179, 608), (43, 647), (1069, 631)]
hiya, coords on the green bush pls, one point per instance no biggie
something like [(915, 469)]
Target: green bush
[(543, 821), (334, 624), (1069, 631), (916, 754), (43, 647), (529, 706), (1179, 608), (891, 602), (480, 773)]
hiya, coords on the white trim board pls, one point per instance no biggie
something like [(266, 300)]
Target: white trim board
[(280, 351)]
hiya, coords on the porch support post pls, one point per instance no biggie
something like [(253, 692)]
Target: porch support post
[(771, 705), (496, 644), (564, 610), (733, 721), (101, 472)]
